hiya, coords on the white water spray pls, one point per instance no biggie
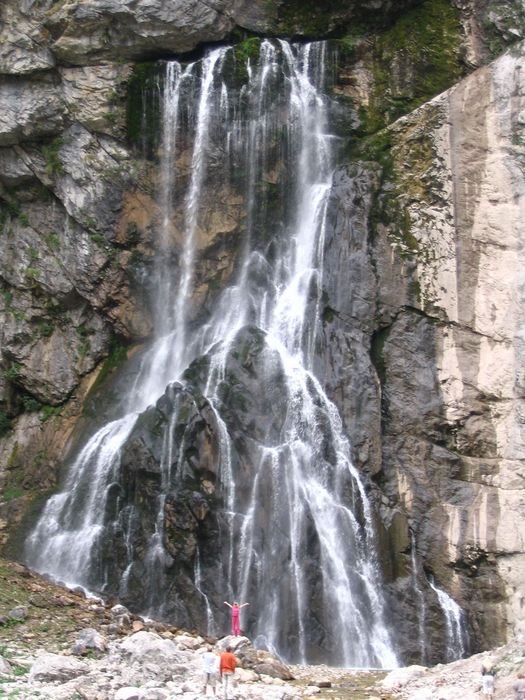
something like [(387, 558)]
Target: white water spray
[(299, 538), (420, 597), (454, 623)]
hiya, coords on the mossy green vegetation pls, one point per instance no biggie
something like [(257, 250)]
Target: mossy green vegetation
[(99, 240), (117, 356), (51, 153), (31, 273), (389, 201), (245, 53), (377, 147), (306, 16), (47, 411), (30, 404), (12, 373), (45, 328), (12, 492), (411, 62), (349, 42), (84, 344), (9, 210), (247, 49), (143, 107), (52, 241)]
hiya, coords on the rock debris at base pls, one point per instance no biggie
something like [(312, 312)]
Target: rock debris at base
[(147, 665), (57, 644)]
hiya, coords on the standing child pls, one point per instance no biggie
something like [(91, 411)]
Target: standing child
[(236, 616)]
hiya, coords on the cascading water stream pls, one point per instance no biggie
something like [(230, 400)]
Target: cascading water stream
[(72, 523), (457, 641), (297, 540), (420, 597)]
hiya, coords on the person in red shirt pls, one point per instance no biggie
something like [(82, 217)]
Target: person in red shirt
[(236, 616), (227, 665)]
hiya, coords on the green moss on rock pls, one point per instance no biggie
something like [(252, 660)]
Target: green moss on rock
[(388, 209), (117, 356), (247, 49), (348, 43), (143, 107), (51, 152), (243, 54), (306, 17), (414, 60)]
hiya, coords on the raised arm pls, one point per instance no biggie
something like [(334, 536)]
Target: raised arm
[(242, 606), (228, 604)]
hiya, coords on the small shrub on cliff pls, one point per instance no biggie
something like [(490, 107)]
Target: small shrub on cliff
[(30, 403), (47, 411), (12, 373), (52, 155), (31, 273), (45, 328), (53, 241)]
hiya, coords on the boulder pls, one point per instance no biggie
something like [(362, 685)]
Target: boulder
[(54, 667), (18, 614), (398, 678), (5, 667), (148, 646), (89, 640)]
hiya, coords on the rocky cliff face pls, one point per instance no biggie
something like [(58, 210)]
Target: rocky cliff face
[(422, 331), (465, 322), (442, 280)]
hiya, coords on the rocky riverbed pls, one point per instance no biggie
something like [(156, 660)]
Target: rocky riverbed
[(56, 643)]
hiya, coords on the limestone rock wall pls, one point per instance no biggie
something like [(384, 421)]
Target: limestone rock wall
[(434, 298), (466, 230)]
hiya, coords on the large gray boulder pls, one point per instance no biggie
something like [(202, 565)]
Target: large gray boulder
[(148, 646), (55, 667)]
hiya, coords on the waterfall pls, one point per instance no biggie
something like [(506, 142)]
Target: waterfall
[(457, 641), (420, 597), (72, 522), (296, 527)]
